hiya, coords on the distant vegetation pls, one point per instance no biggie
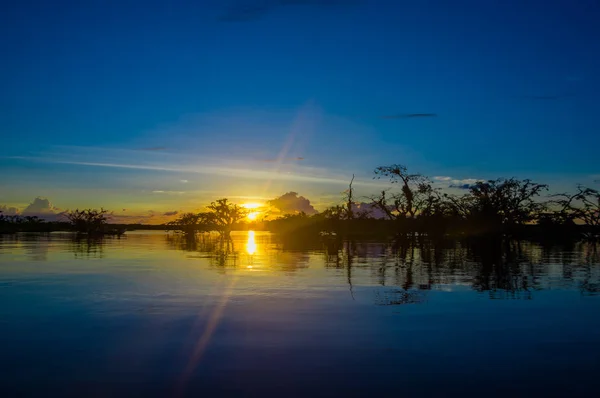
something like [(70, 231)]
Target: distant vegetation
[(509, 207), (221, 217), (411, 206)]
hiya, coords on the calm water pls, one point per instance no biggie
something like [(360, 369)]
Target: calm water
[(156, 315)]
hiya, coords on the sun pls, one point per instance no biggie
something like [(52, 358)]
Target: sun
[(253, 213)]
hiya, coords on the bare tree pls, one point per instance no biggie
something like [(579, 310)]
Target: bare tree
[(350, 200), (584, 205), (88, 220), (415, 192)]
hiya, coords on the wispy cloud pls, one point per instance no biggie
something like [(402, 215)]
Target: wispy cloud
[(546, 97), (169, 192), (298, 158), (409, 115), (252, 10), (449, 182), (154, 148), (192, 164), (207, 169), (171, 213)]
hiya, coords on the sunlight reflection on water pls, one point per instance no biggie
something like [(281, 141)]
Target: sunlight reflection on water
[(178, 311)]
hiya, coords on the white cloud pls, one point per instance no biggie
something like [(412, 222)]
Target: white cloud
[(442, 178), (39, 206), (292, 203)]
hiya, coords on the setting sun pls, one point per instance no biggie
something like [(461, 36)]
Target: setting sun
[(252, 215)]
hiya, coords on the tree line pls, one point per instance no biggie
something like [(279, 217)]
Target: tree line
[(413, 205), (410, 205)]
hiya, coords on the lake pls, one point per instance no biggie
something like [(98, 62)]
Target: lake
[(155, 314)]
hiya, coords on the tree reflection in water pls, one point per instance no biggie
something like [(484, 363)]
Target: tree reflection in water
[(410, 267)]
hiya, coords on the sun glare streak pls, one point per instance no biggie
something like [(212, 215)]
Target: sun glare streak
[(205, 338)]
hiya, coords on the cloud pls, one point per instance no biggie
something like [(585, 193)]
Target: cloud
[(9, 211), (154, 148), (183, 181), (210, 166), (169, 192), (409, 115), (449, 182), (171, 213), (461, 186), (546, 97), (466, 183), (292, 203), (282, 159), (39, 206), (252, 10)]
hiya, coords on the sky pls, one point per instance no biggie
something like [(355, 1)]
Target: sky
[(155, 107)]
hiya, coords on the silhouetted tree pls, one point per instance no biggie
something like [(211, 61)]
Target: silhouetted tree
[(414, 192), (350, 200), (88, 221), (584, 205), (499, 203), (223, 215), (190, 223)]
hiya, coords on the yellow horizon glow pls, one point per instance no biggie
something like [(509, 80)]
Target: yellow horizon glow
[(252, 205), (252, 215)]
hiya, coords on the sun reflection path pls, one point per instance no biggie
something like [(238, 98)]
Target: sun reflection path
[(251, 243), (212, 323)]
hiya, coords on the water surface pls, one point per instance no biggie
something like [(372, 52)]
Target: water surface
[(153, 314)]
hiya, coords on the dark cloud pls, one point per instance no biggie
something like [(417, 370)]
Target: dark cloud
[(171, 213), (292, 203), (9, 211), (251, 10), (409, 115), (461, 186)]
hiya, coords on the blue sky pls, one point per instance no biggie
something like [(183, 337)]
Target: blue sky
[(115, 103)]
